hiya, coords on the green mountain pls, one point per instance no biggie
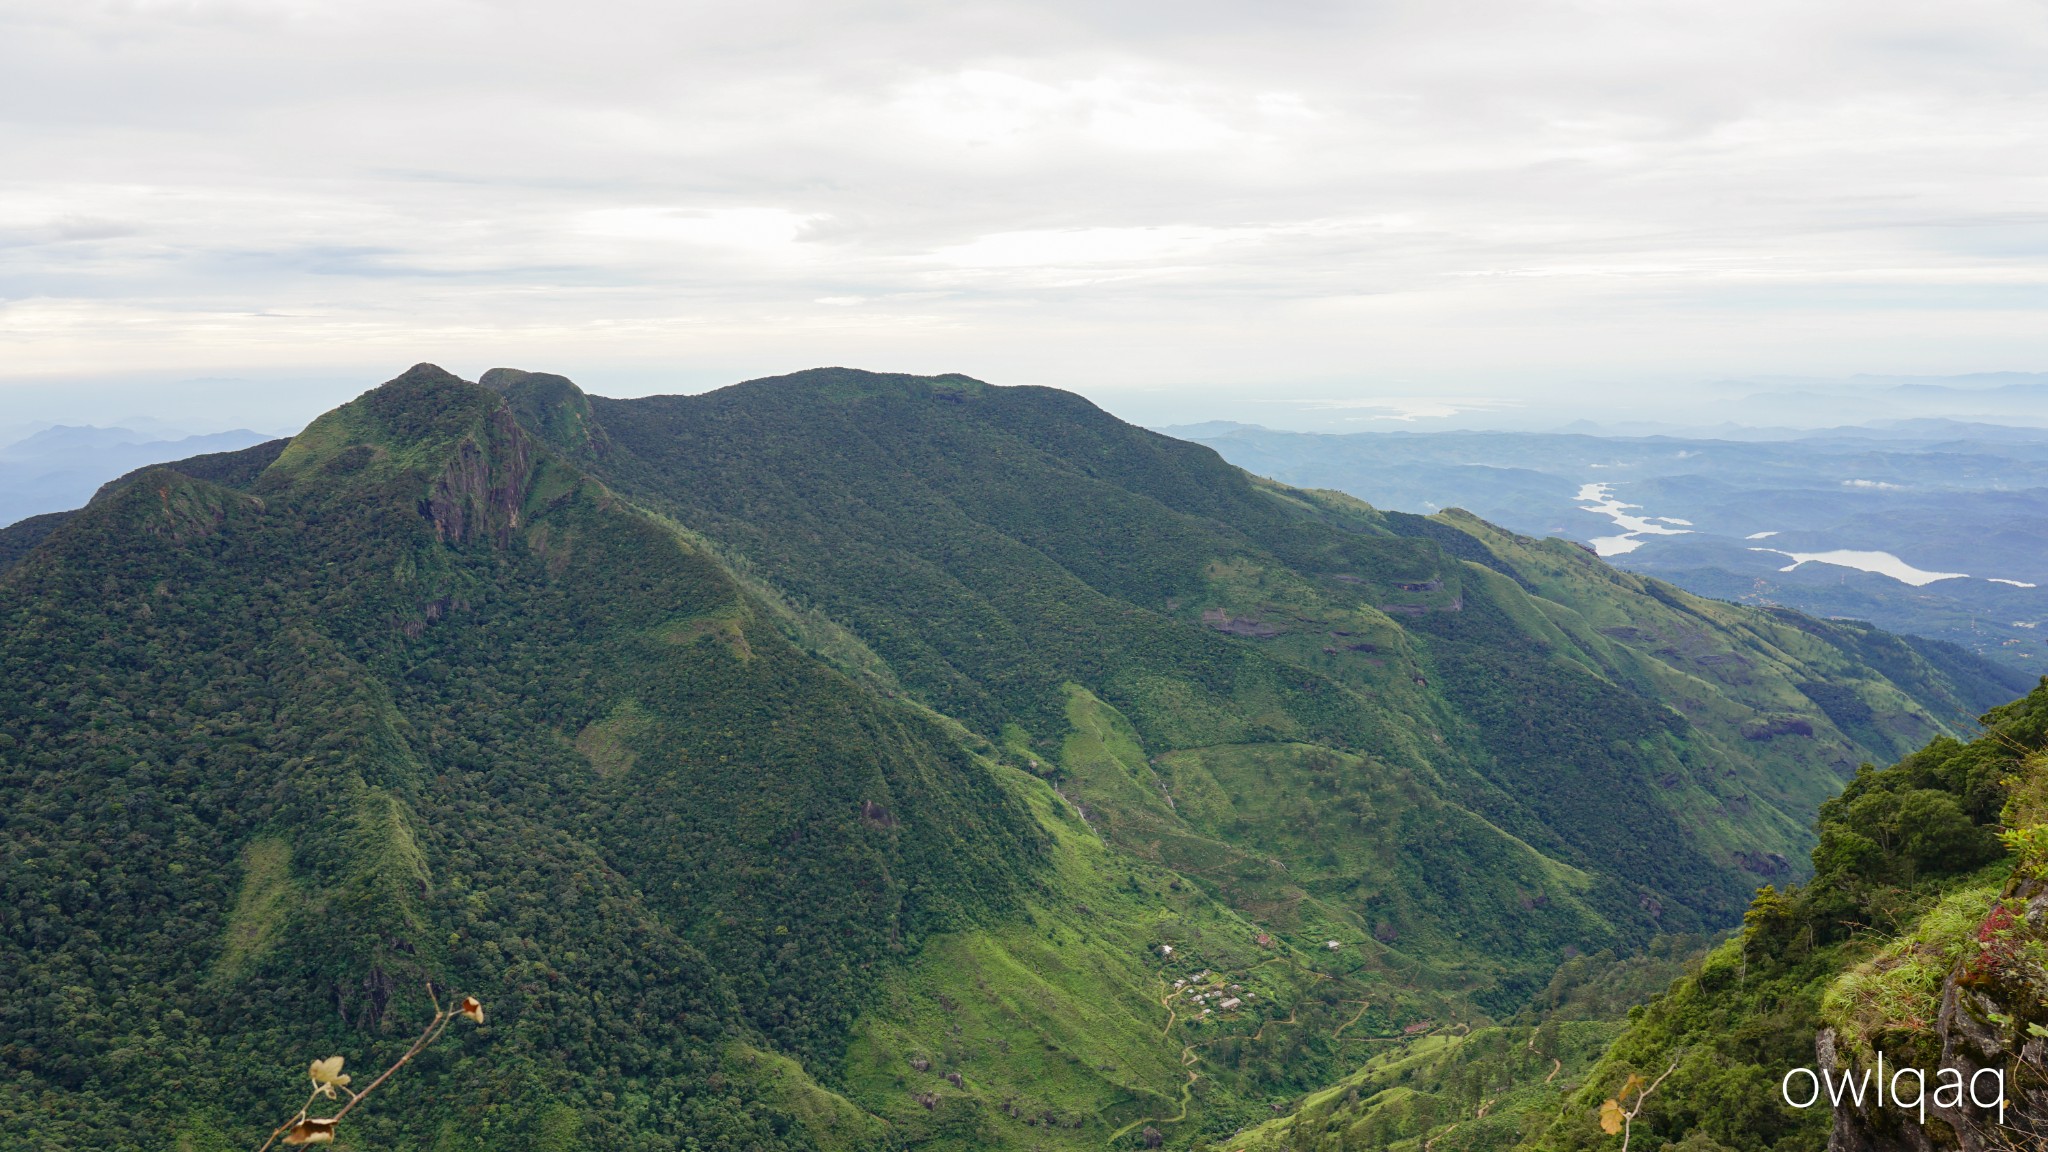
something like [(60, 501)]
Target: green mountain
[(842, 760)]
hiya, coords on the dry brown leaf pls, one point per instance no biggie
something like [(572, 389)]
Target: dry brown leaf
[(1611, 1117), (311, 1132)]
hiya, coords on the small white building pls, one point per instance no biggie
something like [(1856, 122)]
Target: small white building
[(1233, 1002)]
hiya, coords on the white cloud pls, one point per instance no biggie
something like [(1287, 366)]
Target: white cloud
[(1050, 248), (755, 231), (1486, 198)]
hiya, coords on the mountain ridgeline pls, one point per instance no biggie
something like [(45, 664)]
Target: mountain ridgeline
[(844, 760)]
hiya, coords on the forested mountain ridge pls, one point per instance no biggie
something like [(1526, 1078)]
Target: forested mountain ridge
[(996, 545), (830, 761)]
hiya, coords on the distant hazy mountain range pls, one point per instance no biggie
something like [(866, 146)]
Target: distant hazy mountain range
[(1752, 409), (60, 467), (1933, 527)]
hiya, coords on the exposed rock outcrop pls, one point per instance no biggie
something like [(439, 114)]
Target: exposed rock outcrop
[(481, 492), (1992, 1019)]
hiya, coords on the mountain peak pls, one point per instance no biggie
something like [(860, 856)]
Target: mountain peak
[(425, 408), (551, 407), (459, 440), (504, 380), (425, 373)]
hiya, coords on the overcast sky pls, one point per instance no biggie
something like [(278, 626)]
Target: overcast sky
[(1174, 207)]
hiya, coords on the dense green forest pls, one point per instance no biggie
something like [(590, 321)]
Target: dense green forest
[(849, 760)]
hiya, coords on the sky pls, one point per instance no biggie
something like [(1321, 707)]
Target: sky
[(1184, 210)]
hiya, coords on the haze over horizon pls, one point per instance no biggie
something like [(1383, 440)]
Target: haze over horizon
[(164, 407), (1377, 209)]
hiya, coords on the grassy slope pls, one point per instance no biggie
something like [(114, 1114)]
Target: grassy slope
[(1066, 1027), (1485, 1088), (1482, 1089)]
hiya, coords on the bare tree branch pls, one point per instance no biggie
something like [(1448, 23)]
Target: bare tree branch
[(304, 1128)]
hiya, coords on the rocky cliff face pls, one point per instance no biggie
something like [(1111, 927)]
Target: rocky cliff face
[(1990, 1034), (480, 493)]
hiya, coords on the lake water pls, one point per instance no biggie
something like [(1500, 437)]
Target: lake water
[(1600, 499), (1636, 528), (1882, 563)]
